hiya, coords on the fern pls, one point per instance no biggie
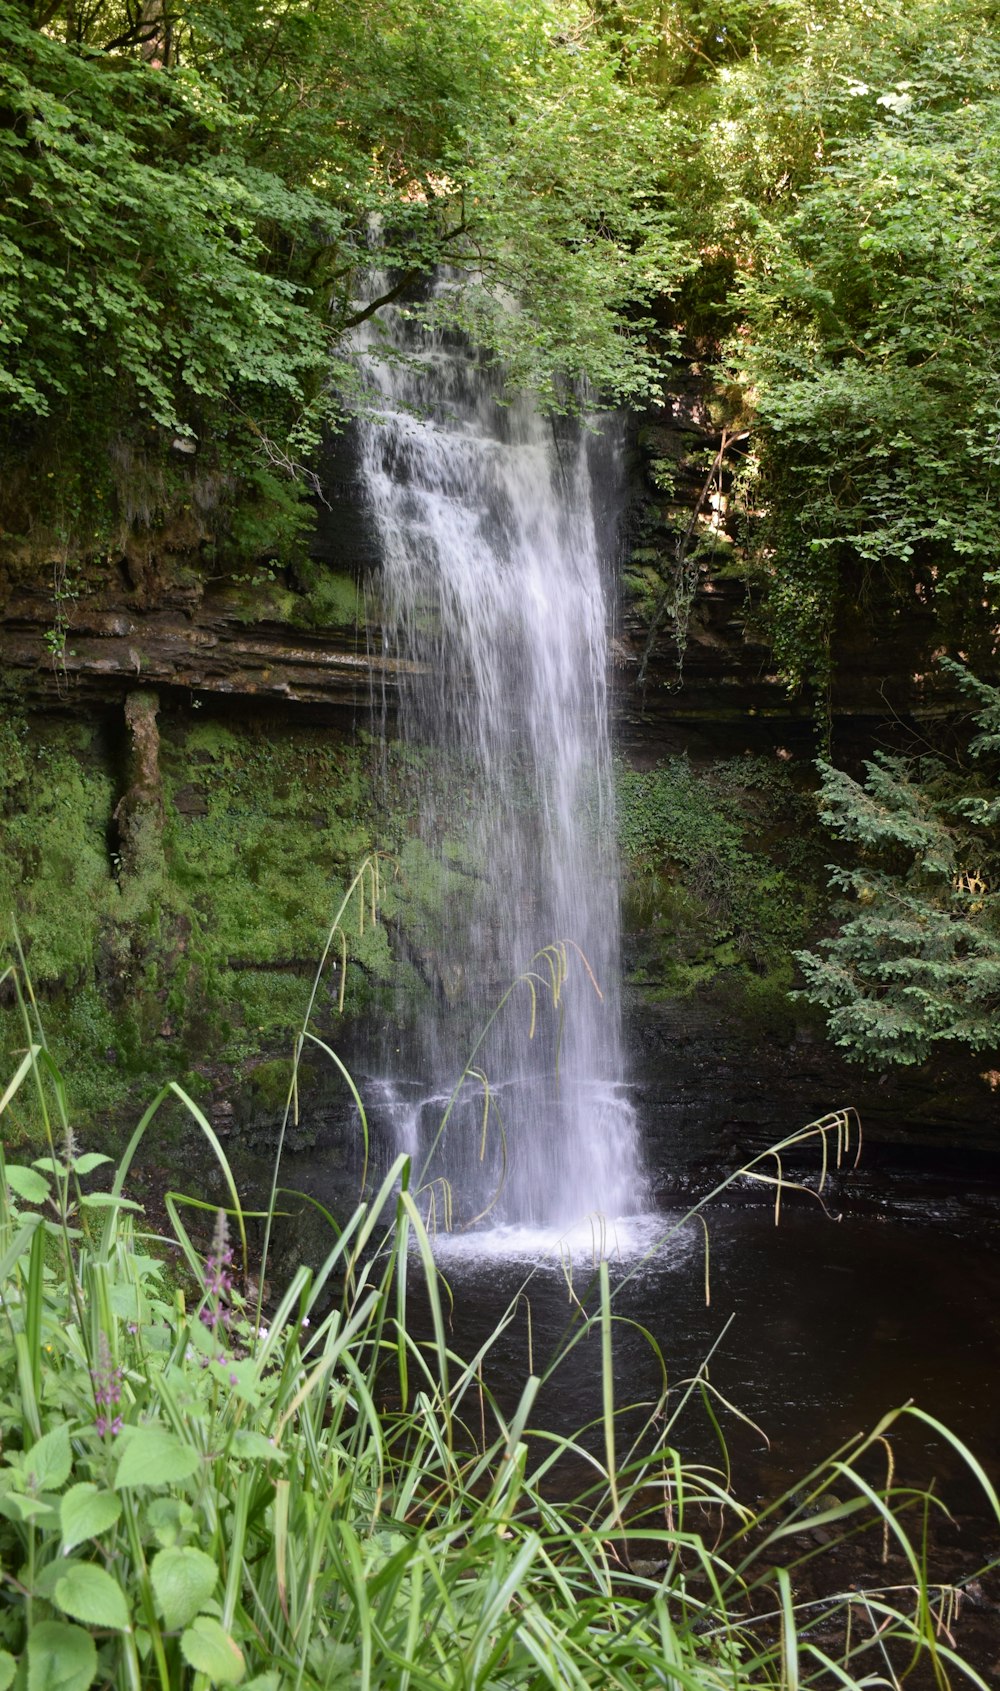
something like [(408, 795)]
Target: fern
[(915, 961)]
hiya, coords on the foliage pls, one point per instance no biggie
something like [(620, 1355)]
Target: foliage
[(189, 1496), (836, 170), (868, 302), (711, 865), (915, 961), (186, 203)]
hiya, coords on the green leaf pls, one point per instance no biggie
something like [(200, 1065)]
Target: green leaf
[(90, 1594), (89, 1161), (86, 1512), (8, 1668), (208, 1648), (27, 1183), (60, 1657), (183, 1580), (169, 1518), (154, 1457), (241, 1378), (248, 1443), (127, 1302), (18, 1508), (47, 1464), (108, 1201), (45, 1579)]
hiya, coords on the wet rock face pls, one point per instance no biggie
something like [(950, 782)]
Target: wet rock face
[(139, 813), (204, 644), (691, 663), (716, 1086)]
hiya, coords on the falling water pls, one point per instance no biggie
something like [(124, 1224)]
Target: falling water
[(491, 535)]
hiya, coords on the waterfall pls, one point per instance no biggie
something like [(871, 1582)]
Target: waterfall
[(491, 522)]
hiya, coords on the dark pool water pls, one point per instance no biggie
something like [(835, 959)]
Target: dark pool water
[(815, 1327), (813, 1330)]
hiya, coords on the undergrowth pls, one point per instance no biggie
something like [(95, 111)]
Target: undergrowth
[(197, 1491)]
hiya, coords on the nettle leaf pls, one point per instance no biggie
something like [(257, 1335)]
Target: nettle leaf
[(18, 1508), (208, 1648), (183, 1580), (86, 1512), (154, 1457), (128, 1302), (169, 1518), (90, 1594), (239, 1377), (8, 1668), (27, 1183), (60, 1657), (253, 1446), (89, 1161), (46, 1466)]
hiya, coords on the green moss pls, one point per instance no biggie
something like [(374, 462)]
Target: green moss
[(263, 599), (643, 587), (55, 809), (205, 949), (722, 869), (263, 837), (330, 599)]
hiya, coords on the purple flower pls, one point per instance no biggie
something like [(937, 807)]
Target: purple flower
[(216, 1278), (106, 1378)]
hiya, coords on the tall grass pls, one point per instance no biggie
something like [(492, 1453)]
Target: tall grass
[(191, 1497)]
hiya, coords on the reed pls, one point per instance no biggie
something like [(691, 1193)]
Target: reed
[(192, 1495)]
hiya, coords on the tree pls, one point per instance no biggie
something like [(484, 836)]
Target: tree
[(868, 328), (915, 961), (187, 200)]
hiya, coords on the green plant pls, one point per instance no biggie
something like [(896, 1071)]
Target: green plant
[(185, 215), (715, 879), (191, 1497), (867, 327), (915, 962)]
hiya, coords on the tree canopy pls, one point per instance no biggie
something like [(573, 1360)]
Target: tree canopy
[(188, 205), (806, 191), (852, 185)]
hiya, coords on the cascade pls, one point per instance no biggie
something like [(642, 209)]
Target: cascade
[(493, 527)]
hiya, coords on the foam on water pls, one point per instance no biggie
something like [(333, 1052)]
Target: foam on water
[(575, 1250)]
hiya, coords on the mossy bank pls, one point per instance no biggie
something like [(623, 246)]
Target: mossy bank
[(173, 895)]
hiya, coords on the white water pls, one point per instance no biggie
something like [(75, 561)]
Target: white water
[(490, 530)]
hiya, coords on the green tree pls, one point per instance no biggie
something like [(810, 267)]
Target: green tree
[(868, 322), (915, 961), (186, 200)]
